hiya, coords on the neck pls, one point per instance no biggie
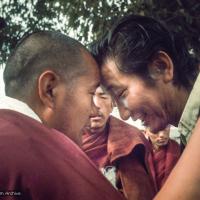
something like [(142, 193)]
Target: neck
[(179, 98)]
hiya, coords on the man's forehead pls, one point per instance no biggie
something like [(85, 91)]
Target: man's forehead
[(109, 68), (111, 77)]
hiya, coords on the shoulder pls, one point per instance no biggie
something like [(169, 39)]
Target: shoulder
[(25, 142), (113, 121), (125, 139), (174, 147)]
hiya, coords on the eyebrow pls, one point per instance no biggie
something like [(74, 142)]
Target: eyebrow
[(103, 93)]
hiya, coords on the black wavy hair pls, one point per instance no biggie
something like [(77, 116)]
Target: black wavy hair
[(133, 42)]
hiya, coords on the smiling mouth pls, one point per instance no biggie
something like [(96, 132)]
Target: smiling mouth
[(96, 118)]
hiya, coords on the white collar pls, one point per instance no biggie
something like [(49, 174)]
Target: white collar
[(18, 106)]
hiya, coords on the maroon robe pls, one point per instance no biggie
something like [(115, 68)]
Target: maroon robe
[(161, 162), (95, 146), (125, 147), (43, 164)]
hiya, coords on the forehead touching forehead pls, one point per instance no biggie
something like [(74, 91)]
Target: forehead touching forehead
[(102, 89), (44, 50)]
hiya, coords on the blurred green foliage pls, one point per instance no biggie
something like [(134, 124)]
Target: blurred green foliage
[(88, 19)]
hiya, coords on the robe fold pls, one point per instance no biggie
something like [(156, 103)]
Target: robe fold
[(125, 147), (39, 163), (161, 162)]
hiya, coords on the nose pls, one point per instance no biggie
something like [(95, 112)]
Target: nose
[(123, 111), (94, 108), (96, 101)]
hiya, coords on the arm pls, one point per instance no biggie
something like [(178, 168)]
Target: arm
[(184, 181)]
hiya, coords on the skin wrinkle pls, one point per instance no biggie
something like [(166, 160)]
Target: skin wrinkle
[(144, 102)]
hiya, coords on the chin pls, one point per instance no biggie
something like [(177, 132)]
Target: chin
[(96, 125), (96, 128)]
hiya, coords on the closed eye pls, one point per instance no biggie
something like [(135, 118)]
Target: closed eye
[(104, 96)]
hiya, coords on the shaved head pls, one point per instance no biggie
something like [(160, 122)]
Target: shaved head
[(56, 77), (38, 52)]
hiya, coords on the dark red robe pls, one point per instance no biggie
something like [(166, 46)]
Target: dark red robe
[(125, 147), (161, 162), (38, 163)]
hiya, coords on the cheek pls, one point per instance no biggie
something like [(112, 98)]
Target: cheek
[(74, 112), (85, 107), (133, 102), (144, 99), (136, 94), (63, 121), (153, 139), (107, 108)]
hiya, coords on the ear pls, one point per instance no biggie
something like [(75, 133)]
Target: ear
[(47, 84), (161, 67)]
